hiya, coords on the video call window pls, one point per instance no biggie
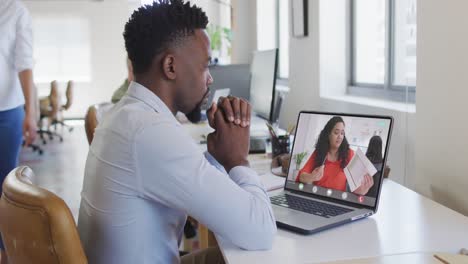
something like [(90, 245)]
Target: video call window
[(339, 156)]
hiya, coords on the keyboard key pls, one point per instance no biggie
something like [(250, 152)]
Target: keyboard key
[(309, 206)]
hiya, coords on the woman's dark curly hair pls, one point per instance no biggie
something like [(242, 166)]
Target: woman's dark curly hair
[(153, 28), (374, 150), (323, 145)]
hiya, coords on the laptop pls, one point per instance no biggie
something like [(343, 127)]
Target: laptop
[(331, 151)]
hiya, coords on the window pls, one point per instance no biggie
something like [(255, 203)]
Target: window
[(383, 49), (283, 17), (273, 31), (62, 49)]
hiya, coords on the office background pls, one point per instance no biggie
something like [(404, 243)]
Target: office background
[(428, 151)]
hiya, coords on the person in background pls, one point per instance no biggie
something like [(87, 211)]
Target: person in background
[(120, 92), (331, 155), (17, 92), (374, 154)]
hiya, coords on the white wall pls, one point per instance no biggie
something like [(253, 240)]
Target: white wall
[(441, 125), (401, 156), (244, 32), (333, 47), (304, 81), (108, 65), (108, 68)]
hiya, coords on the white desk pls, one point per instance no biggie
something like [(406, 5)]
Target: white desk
[(258, 128), (406, 222)]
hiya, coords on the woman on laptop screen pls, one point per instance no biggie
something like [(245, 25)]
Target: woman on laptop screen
[(331, 155)]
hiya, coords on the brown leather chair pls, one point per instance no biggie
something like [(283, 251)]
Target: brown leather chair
[(59, 120), (36, 225), (49, 110), (69, 96), (386, 171), (92, 117), (91, 123)]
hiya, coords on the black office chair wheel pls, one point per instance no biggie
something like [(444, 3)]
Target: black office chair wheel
[(41, 152), (44, 142)]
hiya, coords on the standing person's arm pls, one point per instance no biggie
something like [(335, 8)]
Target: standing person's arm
[(24, 65), (30, 97)]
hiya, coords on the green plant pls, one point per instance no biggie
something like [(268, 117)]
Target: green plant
[(214, 32), (217, 34), (228, 36), (299, 157)]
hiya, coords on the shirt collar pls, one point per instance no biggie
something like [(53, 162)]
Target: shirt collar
[(143, 94)]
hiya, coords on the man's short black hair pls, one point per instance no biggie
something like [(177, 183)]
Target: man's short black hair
[(153, 28)]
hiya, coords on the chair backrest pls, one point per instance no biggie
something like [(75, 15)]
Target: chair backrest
[(69, 95), (36, 225), (93, 116), (386, 171)]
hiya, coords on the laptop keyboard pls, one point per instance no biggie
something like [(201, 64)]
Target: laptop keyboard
[(308, 206)]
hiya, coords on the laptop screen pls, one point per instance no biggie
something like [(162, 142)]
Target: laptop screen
[(340, 156)]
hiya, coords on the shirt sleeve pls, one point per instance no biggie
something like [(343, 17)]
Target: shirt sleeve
[(24, 42), (214, 162), (174, 171)]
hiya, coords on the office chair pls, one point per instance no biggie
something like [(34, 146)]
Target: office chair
[(386, 171), (48, 108), (34, 148), (93, 116), (58, 120), (36, 225)]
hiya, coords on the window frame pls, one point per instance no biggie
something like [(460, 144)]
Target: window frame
[(281, 80), (387, 90)]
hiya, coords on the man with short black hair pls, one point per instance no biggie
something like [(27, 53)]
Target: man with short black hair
[(144, 173)]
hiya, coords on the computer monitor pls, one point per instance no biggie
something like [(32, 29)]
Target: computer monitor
[(262, 83), (279, 98), (233, 76)]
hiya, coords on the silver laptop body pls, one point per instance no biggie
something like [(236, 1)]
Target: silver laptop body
[(292, 206)]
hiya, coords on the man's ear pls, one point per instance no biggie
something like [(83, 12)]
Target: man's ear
[(168, 66)]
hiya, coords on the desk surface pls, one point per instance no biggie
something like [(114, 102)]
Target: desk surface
[(258, 128), (406, 222)]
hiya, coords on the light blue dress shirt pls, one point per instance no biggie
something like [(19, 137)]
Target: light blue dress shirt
[(144, 174), (16, 51)]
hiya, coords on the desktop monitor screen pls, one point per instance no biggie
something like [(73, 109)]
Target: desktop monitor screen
[(340, 156), (233, 76), (263, 81)]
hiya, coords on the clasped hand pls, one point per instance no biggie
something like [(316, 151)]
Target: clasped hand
[(229, 143)]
